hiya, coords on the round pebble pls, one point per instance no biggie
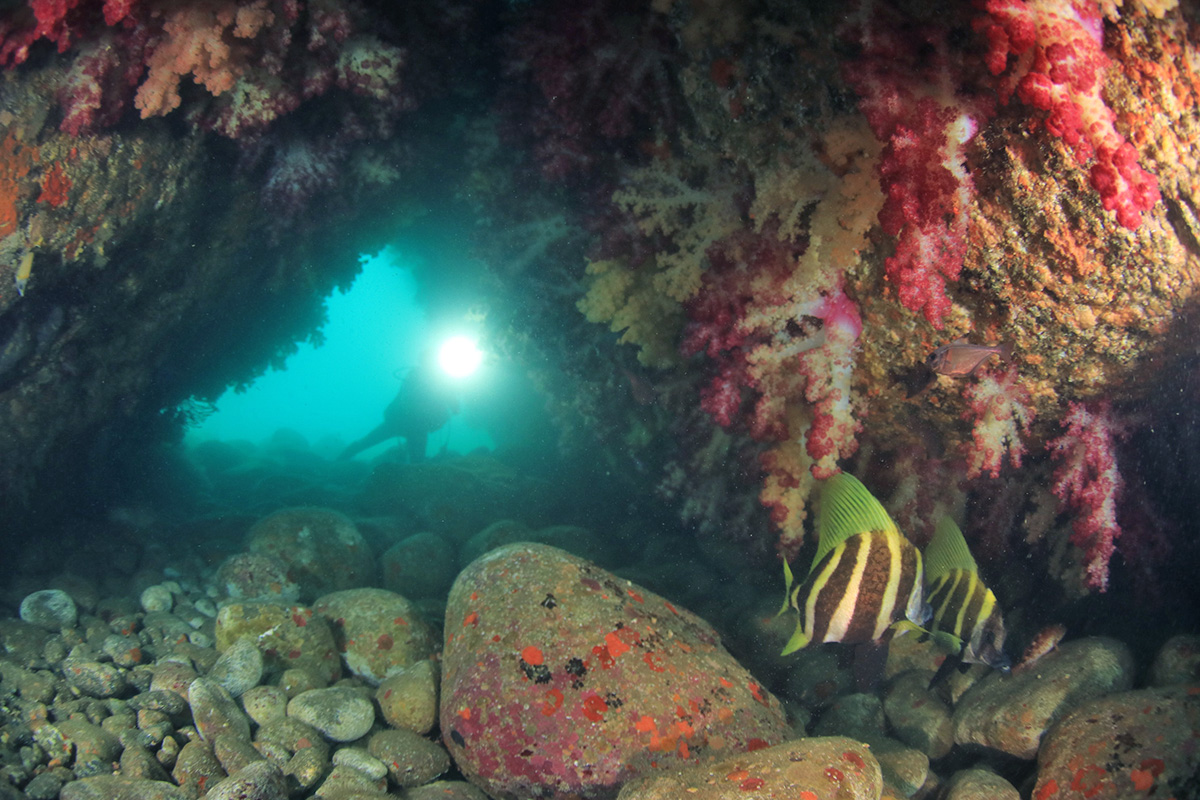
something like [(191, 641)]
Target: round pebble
[(408, 699), (411, 759), (157, 598), (265, 704), (52, 609), (261, 780), (361, 760), (93, 678), (239, 668), (339, 713)]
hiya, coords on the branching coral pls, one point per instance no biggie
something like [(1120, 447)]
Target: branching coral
[(1088, 482), (1000, 411)]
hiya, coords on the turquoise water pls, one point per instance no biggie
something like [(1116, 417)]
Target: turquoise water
[(335, 392)]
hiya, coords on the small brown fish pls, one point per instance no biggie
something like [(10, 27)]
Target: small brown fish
[(960, 358), (1043, 643)]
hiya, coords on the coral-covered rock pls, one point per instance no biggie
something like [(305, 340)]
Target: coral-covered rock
[(562, 680), (378, 632), (1126, 745), (113, 787), (829, 768), (323, 550), (290, 637), (1011, 713), (411, 759)]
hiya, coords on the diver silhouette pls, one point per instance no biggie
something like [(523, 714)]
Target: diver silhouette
[(425, 402)]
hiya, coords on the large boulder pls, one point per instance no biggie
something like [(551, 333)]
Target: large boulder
[(562, 680), (323, 550)]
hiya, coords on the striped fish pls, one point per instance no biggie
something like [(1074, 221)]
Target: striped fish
[(966, 618), (865, 575)]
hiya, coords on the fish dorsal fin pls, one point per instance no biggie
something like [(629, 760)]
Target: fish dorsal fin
[(947, 551), (847, 508)]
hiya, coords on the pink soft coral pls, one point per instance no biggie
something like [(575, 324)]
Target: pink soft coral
[(1087, 480), (1000, 411)]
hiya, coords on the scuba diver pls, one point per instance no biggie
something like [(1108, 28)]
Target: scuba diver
[(425, 402)]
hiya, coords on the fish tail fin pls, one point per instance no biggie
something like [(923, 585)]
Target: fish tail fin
[(798, 641), (788, 579)]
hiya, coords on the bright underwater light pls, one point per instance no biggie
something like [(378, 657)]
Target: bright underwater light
[(459, 357)]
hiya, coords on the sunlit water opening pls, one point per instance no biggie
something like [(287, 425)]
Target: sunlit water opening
[(336, 393)]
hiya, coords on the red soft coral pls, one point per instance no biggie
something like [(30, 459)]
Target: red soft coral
[(1050, 54)]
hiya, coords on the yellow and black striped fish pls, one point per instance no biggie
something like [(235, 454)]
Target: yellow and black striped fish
[(966, 617), (865, 576)]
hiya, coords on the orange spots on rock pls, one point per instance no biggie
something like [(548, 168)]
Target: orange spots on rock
[(532, 656), (672, 609), (299, 620), (474, 595), (724, 714), (603, 656), (303, 743), (737, 775), (15, 161), (683, 751), (805, 794), (751, 784), (400, 621), (1089, 780), (594, 708), (1049, 789), (645, 724), (855, 759), (554, 701), (55, 186), (471, 620), (464, 713), (614, 644), (654, 661), (756, 744), (1142, 780), (495, 637), (384, 642), (636, 597), (834, 774), (728, 684), (756, 691)]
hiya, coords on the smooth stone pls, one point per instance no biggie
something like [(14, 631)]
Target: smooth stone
[(234, 753), (239, 668), (980, 784), (445, 790), (341, 714), (50, 609), (265, 704), (138, 762), (45, 786), (361, 760), (114, 787), (94, 678), (307, 767), (197, 769), (261, 780), (917, 716), (214, 711), (157, 598), (411, 759), (1011, 713), (1177, 661), (409, 699)]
